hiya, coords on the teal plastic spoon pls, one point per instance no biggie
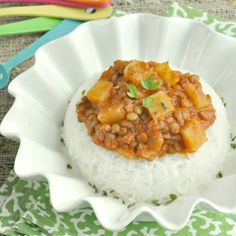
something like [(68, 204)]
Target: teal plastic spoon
[(63, 28)]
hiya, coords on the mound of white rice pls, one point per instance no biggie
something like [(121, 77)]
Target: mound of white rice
[(141, 180)]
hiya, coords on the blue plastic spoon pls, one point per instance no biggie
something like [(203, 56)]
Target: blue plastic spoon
[(63, 28)]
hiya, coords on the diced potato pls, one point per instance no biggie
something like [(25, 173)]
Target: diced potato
[(155, 143), (130, 154), (167, 75), (100, 92), (107, 74), (149, 155), (162, 105), (136, 71), (198, 98), (170, 77), (112, 114), (193, 135), (146, 153), (162, 68)]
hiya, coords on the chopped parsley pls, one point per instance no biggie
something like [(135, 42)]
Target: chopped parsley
[(62, 141), (172, 197), (233, 138), (219, 175), (233, 145), (148, 102), (131, 205), (223, 101), (94, 187), (68, 166), (164, 106), (150, 83), (83, 92), (132, 91), (116, 197), (104, 193), (156, 202)]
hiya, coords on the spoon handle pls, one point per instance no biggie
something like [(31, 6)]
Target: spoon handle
[(96, 2), (63, 28), (59, 2), (56, 11), (39, 24)]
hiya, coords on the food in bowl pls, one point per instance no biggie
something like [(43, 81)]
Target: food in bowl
[(147, 132), (146, 110)]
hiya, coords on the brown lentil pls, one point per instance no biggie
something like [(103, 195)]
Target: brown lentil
[(131, 116), (115, 128), (174, 128), (138, 110)]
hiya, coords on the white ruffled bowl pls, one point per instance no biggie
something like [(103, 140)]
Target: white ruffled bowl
[(42, 94)]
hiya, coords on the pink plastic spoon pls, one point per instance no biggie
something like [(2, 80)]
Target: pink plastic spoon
[(59, 2)]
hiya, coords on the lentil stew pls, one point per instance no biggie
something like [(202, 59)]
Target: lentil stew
[(143, 110)]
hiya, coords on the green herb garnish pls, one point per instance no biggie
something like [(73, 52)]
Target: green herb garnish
[(132, 91), (233, 138), (116, 197), (233, 145), (156, 202), (94, 187), (164, 106), (68, 166), (223, 101), (62, 141), (150, 83), (83, 92), (148, 102), (219, 175), (104, 193), (131, 205), (172, 197)]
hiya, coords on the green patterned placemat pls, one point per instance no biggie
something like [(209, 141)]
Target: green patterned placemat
[(25, 208), (27, 211)]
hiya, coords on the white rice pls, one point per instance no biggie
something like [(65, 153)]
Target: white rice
[(141, 180)]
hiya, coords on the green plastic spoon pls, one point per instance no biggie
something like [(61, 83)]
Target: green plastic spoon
[(39, 24)]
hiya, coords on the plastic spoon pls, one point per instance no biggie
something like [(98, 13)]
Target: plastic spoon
[(39, 24), (59, 2), (97, 2), (56, 11), (63, 28)]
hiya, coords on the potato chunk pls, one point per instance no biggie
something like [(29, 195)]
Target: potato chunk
[(161, 105), (127, 153), (198, 98), (155, 143), (112, 113), (167, 75), (100, 92), (193, 135), (136, 71)]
